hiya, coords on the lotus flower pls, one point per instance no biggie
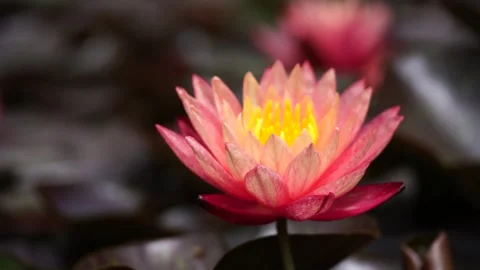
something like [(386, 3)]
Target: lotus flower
[(294, 150), (346, 35)]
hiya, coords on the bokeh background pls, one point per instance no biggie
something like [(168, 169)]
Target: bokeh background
[(84, 82)]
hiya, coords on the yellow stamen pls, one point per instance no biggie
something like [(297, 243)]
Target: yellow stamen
[(287, 123)]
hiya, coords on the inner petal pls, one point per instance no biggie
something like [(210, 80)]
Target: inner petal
[(283, 119)]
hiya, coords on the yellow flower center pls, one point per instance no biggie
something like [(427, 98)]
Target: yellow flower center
[(283, 120)]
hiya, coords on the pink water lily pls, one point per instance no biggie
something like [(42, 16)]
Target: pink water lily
[(347, 35), (295, 149)]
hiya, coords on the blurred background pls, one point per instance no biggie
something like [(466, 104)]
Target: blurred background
[(84, 82)]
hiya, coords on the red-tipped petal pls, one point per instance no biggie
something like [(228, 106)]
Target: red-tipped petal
[(237, 211), (206, 123), (186, 129), (217, 175), (308, 207), (266, 186), (221, 94), (352, 116), (370, 141), (203, 91), (182, 150), (360, 200)]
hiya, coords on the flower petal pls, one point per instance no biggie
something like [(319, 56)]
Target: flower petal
[(237, 211), (203, 91), (276, 77), (186, 129), (308, 75), (183, 151), (222, 93), (215, 172), (295, 85), (352, 116), (302, 172), (266, 186), (370, 141), (327, 81), (238, 161), (251, 91), (206, 123), (307, 207), (276, 154), (360, 200), (303, 140), (343, 184), (352, 93)]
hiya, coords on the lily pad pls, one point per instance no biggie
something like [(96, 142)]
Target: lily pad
[(193, 252), (314, 245)]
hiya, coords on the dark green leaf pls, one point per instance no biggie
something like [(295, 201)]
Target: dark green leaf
[(315, 245)]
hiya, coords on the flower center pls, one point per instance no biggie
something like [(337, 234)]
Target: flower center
[(283, 120)]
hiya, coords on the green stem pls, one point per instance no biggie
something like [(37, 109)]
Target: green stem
[(283, 241)]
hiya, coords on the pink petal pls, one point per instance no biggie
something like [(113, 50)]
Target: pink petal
[(360, 200), (351, 94), (308, 75), (237, 211), (370, 141), (276, 77), (238, 161), (206, 123), (215, 172), (186, 129), (303, 172), (295, 85), (352, 116), (327, 81), (307, 207), (203, 91), (266, 186), (343, 184), (222, 93), (276, 154), (183, 151), (252, 91)]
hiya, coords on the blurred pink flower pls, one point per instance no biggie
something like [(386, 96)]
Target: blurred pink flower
[(347, 35)]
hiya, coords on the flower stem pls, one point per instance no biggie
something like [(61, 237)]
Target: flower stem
[(282, 234)]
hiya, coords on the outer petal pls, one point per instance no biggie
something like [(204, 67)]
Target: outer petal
[(238, 161), (368, 144), (203, 91), (186, 129), (206, 124), (266, 186), (276, 154), (308, 75), (183, 151), (216, 173), (237, 211), (353, 110), (222, 93), (360, 200), (302, 172), (344, 184), (307, 207)]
